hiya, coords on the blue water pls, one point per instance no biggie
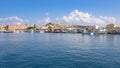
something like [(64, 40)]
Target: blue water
[(59, 51)]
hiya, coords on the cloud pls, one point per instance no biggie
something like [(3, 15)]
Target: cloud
[(12, 19), (57, 19), (82, 18), (45, 21), (108, 19)]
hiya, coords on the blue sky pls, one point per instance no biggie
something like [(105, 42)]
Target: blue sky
[(34, 10)]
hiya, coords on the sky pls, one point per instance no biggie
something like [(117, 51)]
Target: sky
[(77, 12)]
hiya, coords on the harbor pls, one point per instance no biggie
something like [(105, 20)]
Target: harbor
[(59, 34), (60, 28)]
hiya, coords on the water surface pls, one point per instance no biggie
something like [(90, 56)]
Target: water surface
[(59, 51)]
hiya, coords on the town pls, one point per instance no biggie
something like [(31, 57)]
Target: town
[(59, 28)]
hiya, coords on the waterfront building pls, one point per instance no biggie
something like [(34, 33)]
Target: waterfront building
[(55, 27), (112, 28), (2, 28), (103, 31), (44, 28), (13, 27), (80, 28)]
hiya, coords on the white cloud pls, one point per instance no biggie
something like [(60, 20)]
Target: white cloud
[(46, 20), (108, 19), (57, 19), (81, 18), (12, 19)]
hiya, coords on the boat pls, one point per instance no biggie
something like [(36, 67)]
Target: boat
[(8, 31), (91, 33), (30, 31), (41, 31), (85, 32), (18, 31)]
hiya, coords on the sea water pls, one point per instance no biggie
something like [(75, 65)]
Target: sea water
[(59, 50)]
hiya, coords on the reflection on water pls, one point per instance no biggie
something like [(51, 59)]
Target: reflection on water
[(59, 51)]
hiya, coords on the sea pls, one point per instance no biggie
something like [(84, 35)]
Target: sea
[(59, 50)]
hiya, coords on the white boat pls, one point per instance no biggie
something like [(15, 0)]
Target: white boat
[(18, 31), (84, 32), (92, 33), (8, 31), (30, 31), (41, 31)]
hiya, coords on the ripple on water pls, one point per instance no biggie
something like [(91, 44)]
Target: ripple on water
[(59, 51)]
